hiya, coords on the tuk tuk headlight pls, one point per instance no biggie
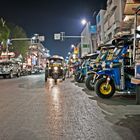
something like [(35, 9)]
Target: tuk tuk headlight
[(111, 65), (103, 65), (61, 68), (55, 68), (49, 68), (97, 64), (91, 65)]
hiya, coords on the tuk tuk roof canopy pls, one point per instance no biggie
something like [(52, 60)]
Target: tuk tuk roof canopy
[(56, 57), (92, 56)]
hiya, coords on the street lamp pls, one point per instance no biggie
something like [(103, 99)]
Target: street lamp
[(72, 46), (84, 21), (69, 53)]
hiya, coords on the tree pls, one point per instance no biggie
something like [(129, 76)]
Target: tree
[(19, 47), (4, 33)]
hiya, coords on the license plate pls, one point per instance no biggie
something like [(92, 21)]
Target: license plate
[(55, 76)]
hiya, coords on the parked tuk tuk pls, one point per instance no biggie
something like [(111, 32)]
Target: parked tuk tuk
[(105, 54), (116, 73), (82, 70)]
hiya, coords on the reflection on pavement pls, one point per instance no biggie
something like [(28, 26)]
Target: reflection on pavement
[(54, 110)]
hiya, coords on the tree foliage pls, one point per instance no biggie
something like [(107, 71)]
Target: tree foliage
[(19, 47), (4, 33)]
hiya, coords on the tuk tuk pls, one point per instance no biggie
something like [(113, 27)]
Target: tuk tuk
[(55, 68), (82, 70), (105, 54), (116, 73)]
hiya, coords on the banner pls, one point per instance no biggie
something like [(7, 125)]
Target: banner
[(76, 50), (92, 29)]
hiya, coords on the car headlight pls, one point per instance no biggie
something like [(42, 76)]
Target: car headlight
[(5, 69), (55, 68), (103, 65)]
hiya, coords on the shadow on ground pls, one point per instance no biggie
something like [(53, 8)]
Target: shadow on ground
[(117, 99), (131, 122), (121, 111)]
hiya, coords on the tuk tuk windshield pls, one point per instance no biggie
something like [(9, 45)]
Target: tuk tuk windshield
[(102, 55), (55, 61), (106, 54), (113, 53)]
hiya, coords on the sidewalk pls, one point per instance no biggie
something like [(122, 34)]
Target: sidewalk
[(120, 111)]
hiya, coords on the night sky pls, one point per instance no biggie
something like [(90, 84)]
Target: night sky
[(47, 17)]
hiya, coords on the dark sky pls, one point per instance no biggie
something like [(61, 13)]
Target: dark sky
[(47, 17)]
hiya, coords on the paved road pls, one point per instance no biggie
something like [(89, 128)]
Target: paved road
[(33, 110)]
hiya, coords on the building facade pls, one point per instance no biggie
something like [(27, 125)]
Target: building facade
[(86, 43), (112, 19), (117, 19), (100, 27)]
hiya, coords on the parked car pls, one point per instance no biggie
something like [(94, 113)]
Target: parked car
[(10, 69), (37, 70)]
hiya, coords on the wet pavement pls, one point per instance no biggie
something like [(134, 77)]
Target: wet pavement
[(31, 109)]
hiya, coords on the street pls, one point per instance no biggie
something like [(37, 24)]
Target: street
[(31, 109)]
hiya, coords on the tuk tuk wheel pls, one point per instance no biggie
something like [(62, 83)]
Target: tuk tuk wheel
[(82, 79), (79, 78), (55, 80), (89, 82), (46, 76), (103, 90), (63, 78), (45, 79), (76, 76)]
